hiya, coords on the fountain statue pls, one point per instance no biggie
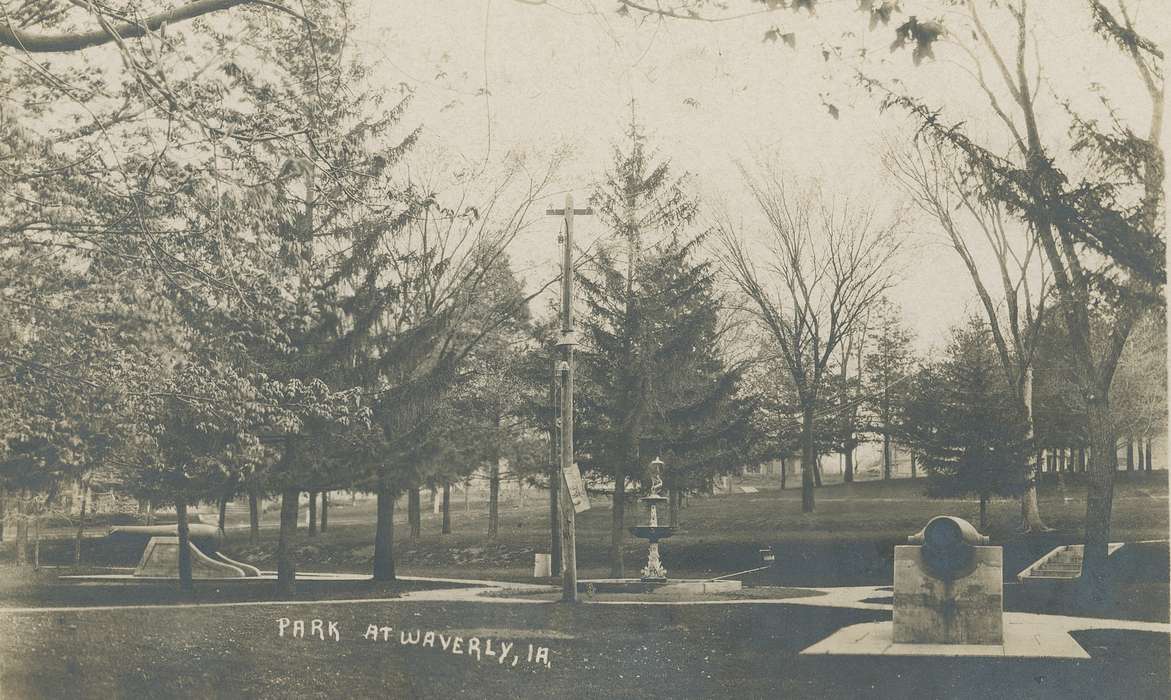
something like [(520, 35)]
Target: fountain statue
[(653, 532)]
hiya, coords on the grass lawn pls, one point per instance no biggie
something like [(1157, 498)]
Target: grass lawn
[(846, 541), (28, 588), (594, 651)]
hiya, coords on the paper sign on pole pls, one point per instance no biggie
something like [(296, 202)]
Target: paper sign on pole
[(577, 491)]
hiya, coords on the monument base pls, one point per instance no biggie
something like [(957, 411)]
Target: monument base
[(966, 610), (161, 559), (671, 587), (1021, 641)]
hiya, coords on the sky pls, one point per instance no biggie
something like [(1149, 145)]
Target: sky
[(493, 77)]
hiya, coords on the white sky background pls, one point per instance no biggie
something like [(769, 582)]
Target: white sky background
[(711, 95)]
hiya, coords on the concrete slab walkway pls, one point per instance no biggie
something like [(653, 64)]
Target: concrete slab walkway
[(1027, 635)]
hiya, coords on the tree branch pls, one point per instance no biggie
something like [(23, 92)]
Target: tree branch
[(77, 41)]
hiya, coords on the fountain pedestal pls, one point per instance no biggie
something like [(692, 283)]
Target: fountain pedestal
[(654, 572)]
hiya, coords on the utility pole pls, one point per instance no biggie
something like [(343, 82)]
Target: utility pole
[(554, 481), (565, 345)]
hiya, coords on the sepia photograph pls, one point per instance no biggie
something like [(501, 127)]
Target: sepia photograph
[(584, 349)]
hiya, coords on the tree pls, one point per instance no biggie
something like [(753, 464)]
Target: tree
[(1015, 311), (62, 368), (1100, 233), (830, 261), (488, 403), (1140, 389), (626, 350), (200, 426), (699, 420), (437, 281), (889, 366), (968, 424)]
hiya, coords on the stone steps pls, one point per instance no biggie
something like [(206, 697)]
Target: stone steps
[(1061, 563)]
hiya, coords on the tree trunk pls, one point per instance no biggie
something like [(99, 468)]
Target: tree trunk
[(286, 567), (22, 528), (1150, 450), (384, 535), (37, 542), (816, 472), (222, 516), (983, 512), (886, 456), (467, 495), (253, 515), (414, 508), (324, 509), (617, 522), (80, 525), (1130, 454), (1030, 510), (784, 471), (914, 466), (3, 510), (848, 472), (150, 511), (493, 497), (312, 513), (1094, 584), (186, 583), (808, 458), (446, 508)]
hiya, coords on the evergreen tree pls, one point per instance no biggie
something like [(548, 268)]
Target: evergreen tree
[(654, 381), (642, 204), (888, 365), (967, 424)]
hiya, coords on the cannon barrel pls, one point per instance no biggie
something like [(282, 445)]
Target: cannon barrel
[(937, 525), (948, 546), (132, 539)]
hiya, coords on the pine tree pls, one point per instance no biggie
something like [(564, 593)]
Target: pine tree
[(700, 418), (888, 365), (967, 423), (628, 344)]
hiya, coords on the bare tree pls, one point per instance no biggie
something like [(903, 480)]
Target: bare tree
[(826, 263), (1100, 235), (934, 179)]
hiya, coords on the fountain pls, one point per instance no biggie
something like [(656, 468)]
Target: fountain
[(653, 532), (654, 575)]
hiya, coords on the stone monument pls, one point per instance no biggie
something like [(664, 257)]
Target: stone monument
[(948, 586)]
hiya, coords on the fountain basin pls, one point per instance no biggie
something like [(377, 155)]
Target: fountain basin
[(654, 533)]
